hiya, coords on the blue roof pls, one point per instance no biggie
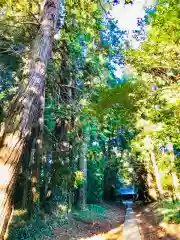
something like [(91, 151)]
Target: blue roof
[(127, 190)]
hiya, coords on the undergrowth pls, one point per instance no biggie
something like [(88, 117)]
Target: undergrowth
[(36, 228), (170, 211), (92, 213)]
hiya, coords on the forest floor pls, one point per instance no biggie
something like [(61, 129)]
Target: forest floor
[(153, 224), (151, 219), (99, 222), (107, 226)]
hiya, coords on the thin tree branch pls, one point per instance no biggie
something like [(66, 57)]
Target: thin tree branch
[(62, 85), (103, 7)]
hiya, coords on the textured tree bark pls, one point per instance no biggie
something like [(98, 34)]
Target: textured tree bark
[(26, 160), (31, 162), (28, 111), (35, 178)]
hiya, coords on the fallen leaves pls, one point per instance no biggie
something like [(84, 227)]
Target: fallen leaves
[(109, 228)]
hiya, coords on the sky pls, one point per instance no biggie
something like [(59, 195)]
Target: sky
[(127, 20), (127, 14)]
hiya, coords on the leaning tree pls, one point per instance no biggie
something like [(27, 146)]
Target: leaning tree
[(26, 109)]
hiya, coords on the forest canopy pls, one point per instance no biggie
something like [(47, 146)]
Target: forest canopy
[(70, 127)]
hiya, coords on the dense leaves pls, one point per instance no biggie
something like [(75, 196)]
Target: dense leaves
[(99, 131)]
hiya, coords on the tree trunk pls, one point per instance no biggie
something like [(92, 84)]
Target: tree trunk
[(83, 168), (175, 180), (28, 111), (26, 161), (156, 173), (37, 163), (30, 187), (35, 178)]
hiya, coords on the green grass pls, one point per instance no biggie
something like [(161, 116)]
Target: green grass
[(170, 211), (92, 213)]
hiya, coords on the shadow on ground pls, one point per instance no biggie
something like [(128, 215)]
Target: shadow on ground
[(104, 229), (151, 228)]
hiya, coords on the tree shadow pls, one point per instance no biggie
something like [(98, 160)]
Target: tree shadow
[(149, 226)]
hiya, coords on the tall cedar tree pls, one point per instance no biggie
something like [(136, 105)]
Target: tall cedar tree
[(30, 110)]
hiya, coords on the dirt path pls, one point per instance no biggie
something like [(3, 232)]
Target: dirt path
[(151, 228), (105, 229)]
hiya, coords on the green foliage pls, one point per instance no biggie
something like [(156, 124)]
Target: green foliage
[(95, 180), (93, 111), (121, 100), (157, 115), (159, 54), (92, 213), (36, 228), (166, 181), (19, 25), (79, 178), (170, 211), (68, 65)]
